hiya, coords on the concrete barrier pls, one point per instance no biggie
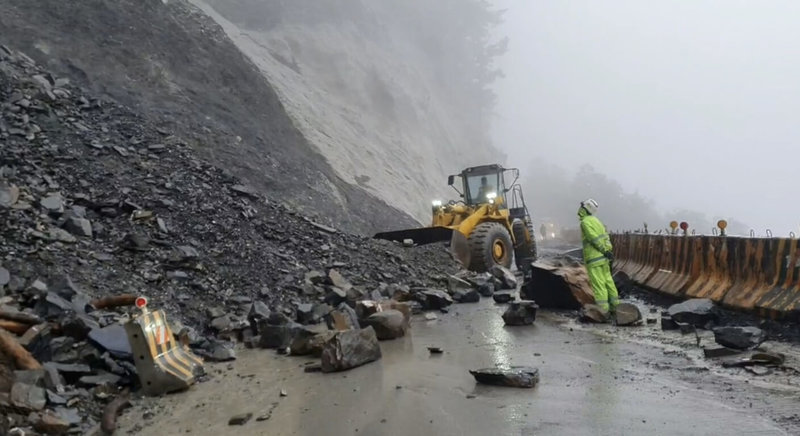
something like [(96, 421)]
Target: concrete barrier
[(760, 275)]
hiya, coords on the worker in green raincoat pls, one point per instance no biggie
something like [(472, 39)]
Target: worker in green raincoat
[(597, 256)]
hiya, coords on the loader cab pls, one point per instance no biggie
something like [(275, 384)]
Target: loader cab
[(481, 182)]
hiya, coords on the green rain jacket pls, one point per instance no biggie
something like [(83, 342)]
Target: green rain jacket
[(596, 241)]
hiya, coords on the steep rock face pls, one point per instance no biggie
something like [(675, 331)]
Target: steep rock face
[(363, 90), (173, 64)]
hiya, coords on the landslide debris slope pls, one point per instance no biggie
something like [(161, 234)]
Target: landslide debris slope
[(395, 95), (96, 201), (177, 68), (93, 190)]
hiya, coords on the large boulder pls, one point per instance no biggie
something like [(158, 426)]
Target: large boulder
[(350, 349), (506, 278), (740, 338), (520, 313), (388, 324), (698, 312), (515, 376), (558, 283), (628, 314)]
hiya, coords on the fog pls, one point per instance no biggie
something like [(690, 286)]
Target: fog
[(695, 105)]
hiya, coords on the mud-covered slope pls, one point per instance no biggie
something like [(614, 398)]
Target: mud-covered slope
[(365, 90), (176, 67)]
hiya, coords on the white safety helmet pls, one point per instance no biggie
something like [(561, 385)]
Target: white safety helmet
[(590, 205)]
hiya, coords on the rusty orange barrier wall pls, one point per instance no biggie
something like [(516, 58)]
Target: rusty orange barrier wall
[(760, 275)]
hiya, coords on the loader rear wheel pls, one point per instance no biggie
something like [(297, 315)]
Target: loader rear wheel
[(490, 244), (525, 248)]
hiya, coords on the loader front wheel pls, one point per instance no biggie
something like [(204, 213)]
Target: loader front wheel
[(490, 244), (525, 248)]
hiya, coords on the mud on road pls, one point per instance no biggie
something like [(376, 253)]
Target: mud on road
[(595, 380)]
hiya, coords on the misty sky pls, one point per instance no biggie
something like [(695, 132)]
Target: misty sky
[(694, 103)]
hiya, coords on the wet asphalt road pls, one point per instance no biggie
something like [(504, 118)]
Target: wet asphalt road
[(595, 380)]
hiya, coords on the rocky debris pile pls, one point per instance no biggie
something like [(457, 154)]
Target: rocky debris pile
[(96, 201), (515, 376), (71, 354)]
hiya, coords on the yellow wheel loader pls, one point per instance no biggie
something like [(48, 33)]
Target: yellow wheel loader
[(488, 226)]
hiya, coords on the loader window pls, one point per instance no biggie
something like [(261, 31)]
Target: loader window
[(479, 186)]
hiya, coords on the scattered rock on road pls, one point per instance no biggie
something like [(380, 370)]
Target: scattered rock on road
[(456, 284), (350, 349), (740, 338), (388, 324), (698, 312), (713, 352), (506, 278), (433, 299), (628, 314), (241, 419), (468, 296), (593, 313), (515, 376), (520, 313), (502, 297)]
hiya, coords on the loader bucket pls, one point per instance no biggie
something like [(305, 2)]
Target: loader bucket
[(459, 247), (420, 236)]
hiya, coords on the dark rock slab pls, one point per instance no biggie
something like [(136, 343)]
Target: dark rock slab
[(388, 324), (79, 227), (697, 312), (502, 297), (433, 299), (505, 277), (713, 352), (277, 336), (515, 376), (240, 419), (350, 349), (486, 288), (520, 313), (113, 339), (468, 296), (740, 338)]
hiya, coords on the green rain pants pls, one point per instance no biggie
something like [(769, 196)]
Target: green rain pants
[(605, 292)]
